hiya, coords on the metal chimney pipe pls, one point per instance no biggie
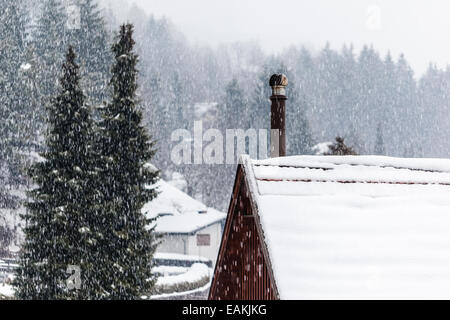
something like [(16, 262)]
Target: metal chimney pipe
[(278, 82)]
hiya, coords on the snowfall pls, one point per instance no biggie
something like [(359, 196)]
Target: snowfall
[(175, 212)]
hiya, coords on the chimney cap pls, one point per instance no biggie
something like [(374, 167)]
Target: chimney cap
[(278, 80)]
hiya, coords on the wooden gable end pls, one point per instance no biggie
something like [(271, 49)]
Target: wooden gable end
[(241, 270)]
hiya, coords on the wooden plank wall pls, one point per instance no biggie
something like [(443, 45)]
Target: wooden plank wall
[(242, 272)]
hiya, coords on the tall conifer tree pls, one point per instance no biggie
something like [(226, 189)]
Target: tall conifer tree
[(126, 180), (58, 231)]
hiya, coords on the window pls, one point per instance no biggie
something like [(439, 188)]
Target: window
[(203, 240)]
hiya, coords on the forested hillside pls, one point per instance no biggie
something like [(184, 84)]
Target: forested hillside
[(374, 101)]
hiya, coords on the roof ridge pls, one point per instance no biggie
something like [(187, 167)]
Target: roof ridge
[(348, 164), (354, 181)]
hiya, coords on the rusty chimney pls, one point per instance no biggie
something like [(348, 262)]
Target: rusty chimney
[(278, 82)]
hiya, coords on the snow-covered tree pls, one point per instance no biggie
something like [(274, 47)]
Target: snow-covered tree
[(126, 181), (50, 40), (379, 143), (234, 111), (434, 104), (6, 236), (299, 136), (339, 148), (405, 109), (259, 102), (81, 25), (177, 103), (14, 111), (90, 39), (34, 111), (59, 221)]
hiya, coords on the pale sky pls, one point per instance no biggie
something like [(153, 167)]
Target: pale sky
[(418, 28)]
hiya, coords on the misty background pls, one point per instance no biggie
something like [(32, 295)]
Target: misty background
[(416, 28), (365, 70), (373, 72)]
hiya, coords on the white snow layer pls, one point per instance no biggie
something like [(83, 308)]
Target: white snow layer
[(178, 212), (179, 257), (6, 290), (181, 295), (196, 272), (25, 66), (383, 237), (169, 270), (321, 148)]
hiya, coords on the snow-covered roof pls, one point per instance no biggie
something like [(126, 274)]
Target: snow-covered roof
[(6, 290), (202, 108), (179, 257), (178, 212), (195, 273), (354, 226)]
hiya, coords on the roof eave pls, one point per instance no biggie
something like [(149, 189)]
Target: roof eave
[(193, 232)]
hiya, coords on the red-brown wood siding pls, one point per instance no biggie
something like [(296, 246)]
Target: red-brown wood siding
[(241, 272)]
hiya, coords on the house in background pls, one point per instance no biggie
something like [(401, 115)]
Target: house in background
[(186, 225), (336, 227)]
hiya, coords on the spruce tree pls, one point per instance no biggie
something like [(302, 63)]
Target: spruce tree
[(13, 109), (88, 35), (91, 41), (379, 143), (339, 148), (50, 42), (128, 244), (299, 136), (234, 106), (259, 105), (34, 112), (58, 233), (6, 237), (405, 112)]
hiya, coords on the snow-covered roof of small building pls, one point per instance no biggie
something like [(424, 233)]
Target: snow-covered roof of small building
[(179, 213), (202, 108), (354, 226)]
